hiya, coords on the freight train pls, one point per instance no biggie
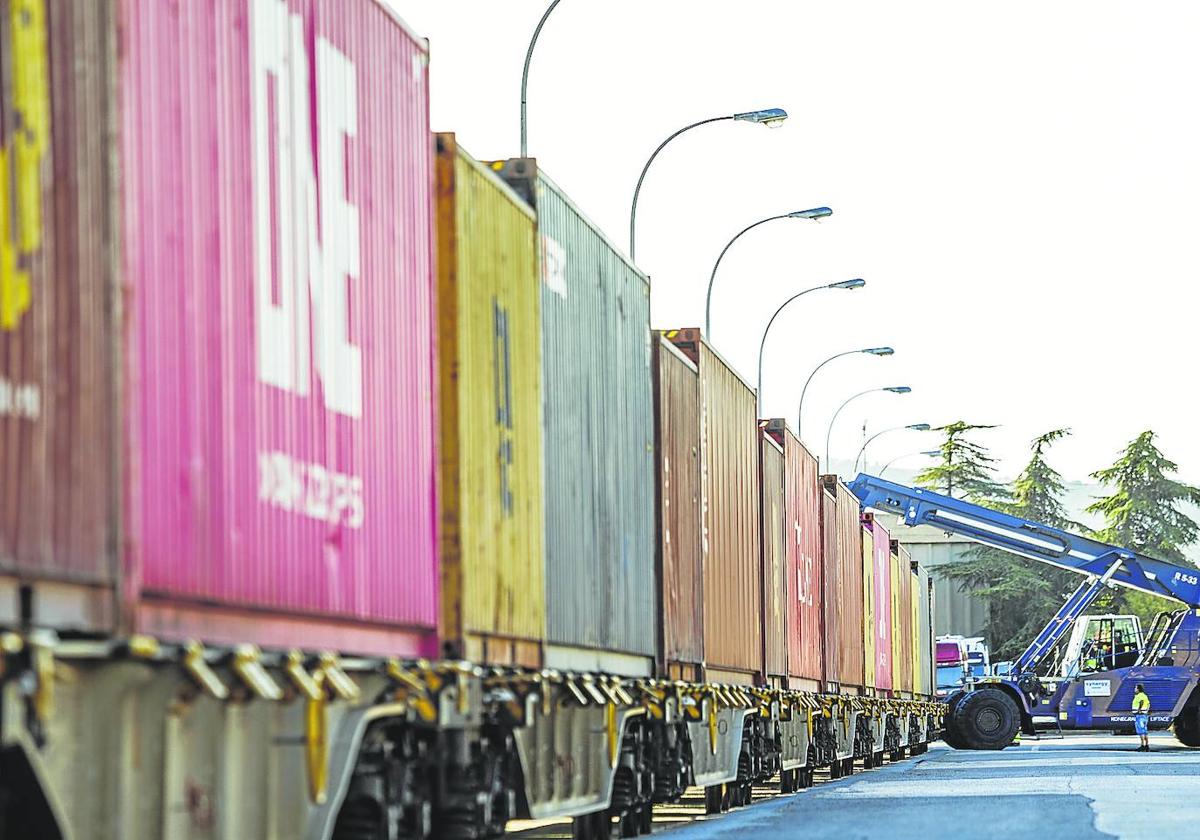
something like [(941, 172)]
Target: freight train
[(345, 491)]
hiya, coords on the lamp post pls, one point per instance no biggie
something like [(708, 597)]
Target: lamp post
[(770, 117), (870, 351), (814, 214), (857, 283), (525, 76), (930, 453), (894, 389), (916, 427)]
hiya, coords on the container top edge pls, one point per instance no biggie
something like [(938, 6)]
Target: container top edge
[(486, 170), (420, 40), (587, 220)]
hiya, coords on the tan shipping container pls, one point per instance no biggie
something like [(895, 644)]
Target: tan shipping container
[(490, 451), (681, 580), (844, 595), (772, 532), (729, 515)]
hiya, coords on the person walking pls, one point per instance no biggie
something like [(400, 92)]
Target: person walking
[(1141, 716)]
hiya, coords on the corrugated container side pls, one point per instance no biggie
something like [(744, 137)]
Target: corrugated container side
[(598, 411), (885, 606), (729, 510), (913, 630), (868, 573), (925, 633), (677, 397), (902, 619), (58, 251), (489, 345), (847, 600), (831, 563), (276, 171), (773, 510), (802, 538)]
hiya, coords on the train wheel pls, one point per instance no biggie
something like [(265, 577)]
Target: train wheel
[(712, 799)]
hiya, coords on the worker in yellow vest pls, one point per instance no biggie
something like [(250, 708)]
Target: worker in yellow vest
[(1141, 716)]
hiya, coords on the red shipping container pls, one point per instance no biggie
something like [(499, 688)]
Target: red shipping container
[(805, 581), (882, 570), (272, 379)]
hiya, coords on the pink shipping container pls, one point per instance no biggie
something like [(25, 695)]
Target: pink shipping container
[(805, 580), (272, 380), (882, 571)]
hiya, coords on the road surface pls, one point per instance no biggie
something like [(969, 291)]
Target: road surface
[(1082, 786)]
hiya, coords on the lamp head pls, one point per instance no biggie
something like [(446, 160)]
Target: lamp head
[(770, 117), (932, 453), (849, 284), (878, 351), (919, 427), (812, 213), (899, 389)]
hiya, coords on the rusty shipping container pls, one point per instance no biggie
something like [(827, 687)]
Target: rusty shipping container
[(773, 525), (490, 449), (729, 515), (805, 578), (171, 415), (598, 414), (681, 576), (844, 602), (59, 479)]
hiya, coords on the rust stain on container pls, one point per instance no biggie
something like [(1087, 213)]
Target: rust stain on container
[(489, 348), (773, 527), (677, 405), (59, 484)]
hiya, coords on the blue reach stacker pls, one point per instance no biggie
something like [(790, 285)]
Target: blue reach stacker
[(987, 715)]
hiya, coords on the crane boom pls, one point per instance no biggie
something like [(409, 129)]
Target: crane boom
[(1031, 539)]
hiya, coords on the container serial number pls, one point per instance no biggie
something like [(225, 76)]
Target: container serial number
[(311, 490)]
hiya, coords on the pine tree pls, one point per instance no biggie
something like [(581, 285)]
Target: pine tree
[(1022, 595), (966, 470), (1143, 514)]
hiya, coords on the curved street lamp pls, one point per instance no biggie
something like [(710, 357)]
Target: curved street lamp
[(857, 283), (894, 389), (929, 453), (770, 117), (525, 76), (870, 351), (916, 427), (813, 213)]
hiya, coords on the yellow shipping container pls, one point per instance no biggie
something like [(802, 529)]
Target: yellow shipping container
[(869, 633), (489, 366), (917, 686)]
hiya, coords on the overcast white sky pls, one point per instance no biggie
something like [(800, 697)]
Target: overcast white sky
[(1016, 182)]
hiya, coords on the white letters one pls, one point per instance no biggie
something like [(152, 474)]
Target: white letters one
[(312, 264)]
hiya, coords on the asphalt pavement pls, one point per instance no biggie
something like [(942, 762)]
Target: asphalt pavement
[(1080, 786)]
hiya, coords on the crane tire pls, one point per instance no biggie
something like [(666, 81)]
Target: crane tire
[(1187, 727), (986, 719)]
